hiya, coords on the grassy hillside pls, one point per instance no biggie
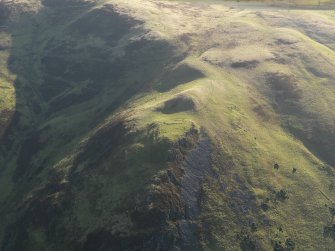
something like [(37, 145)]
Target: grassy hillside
[(166, 125)]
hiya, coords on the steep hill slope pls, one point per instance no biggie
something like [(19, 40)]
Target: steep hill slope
[(166, 125)]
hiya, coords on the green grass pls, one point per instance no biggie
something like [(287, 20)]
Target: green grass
[(251, 123), (255, 145), (7, 94)]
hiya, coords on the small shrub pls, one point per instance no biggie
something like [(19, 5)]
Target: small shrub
[(332, 211), (289, 244), (265, 207), (278, 246), (253, 227), (247, 242), (281, 195), (329, 231)]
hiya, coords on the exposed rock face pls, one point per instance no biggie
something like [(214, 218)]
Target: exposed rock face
[(197, 166)]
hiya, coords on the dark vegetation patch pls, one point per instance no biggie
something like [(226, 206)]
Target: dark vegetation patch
[(113, 140), (8, 139), (318, 72), (282, 195), (242, 200), (57, 55), (289, 245), (285, 92), (133, 47), (178, 104), (63, 71), (265, 207), (306, 126), (5, 121), (332, 212), (189, 232), (319, 139), (280, 59), (44, 210), (4, 12), (102, 144), (105, 240), (186, 38), (274, 199), (329, 231), (286, 41), (276, 166), (68, 68), (29, 148), (105, 23), (179, 75), (67, 99), (56, 85), (262, 112), (284, 87), (248, 64), (247, 242)]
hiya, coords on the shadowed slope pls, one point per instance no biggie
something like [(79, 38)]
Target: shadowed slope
[(70, 76)]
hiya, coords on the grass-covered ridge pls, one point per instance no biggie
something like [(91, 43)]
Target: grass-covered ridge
[(121, 107)]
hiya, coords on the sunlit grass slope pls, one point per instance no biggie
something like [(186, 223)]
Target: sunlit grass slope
[(114, 98), (7, 98)]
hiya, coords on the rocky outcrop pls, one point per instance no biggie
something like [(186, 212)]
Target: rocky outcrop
[(167, 217)]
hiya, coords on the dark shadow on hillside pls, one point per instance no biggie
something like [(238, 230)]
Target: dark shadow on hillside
[(68, 82), (180, 74), (286, 95), (319, 141), (56, 75), (178, 104)]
